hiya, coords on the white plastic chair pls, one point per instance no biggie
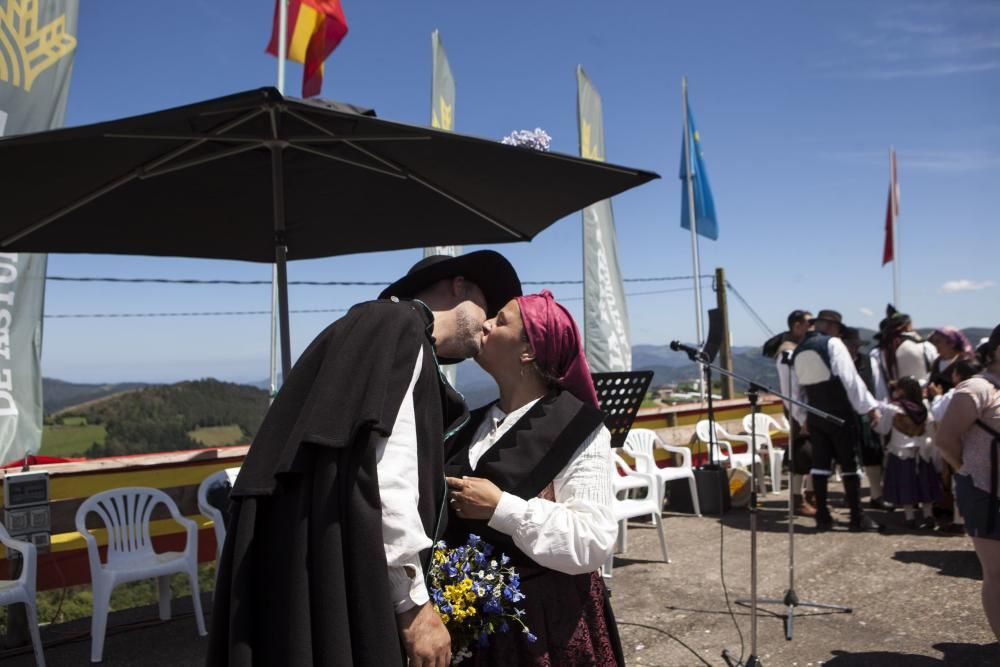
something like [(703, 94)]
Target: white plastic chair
[(775, 455), (642, 443), (126, 514), (22, 589), (720, 440), (629, 508)]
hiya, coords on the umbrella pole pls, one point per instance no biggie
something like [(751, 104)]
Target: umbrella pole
[(280, 252)]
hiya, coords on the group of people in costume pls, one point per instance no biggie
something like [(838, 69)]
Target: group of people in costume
[(368, 456), (926, 413)]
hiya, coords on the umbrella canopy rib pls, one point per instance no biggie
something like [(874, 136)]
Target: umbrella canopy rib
[(119, 182), (416, 178), (178, 166), (353, 163)]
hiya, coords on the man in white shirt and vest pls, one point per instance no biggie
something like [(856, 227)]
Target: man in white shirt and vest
[(826, 378)]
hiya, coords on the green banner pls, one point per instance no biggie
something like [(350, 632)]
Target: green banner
[(442, 114), (443, 118), (37, 45), (605, 313)]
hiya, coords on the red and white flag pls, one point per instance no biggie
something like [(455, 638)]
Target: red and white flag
[(891, 211)]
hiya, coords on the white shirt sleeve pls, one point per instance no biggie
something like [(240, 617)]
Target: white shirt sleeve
[(398, 486), (881, 386), (842, 366), (784, 375), (576, 533), (939, 405)]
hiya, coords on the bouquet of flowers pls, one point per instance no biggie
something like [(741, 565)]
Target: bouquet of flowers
[(538, 139), (474, 593)]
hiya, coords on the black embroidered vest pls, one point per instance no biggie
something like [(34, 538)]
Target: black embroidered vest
[(523, 461)]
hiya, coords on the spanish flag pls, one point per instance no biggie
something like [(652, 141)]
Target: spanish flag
[(315, 28)]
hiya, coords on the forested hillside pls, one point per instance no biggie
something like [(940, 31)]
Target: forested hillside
[(160, 418)]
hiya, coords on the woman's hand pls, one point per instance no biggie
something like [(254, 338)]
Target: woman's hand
[(473, 497)]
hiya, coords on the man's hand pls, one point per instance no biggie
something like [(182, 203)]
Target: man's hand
[(473, 497), (427, 641), (874, 415)]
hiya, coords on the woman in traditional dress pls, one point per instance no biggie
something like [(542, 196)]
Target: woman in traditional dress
[(531, 474)]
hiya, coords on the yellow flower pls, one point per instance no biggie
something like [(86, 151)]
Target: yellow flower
[(470, 596)]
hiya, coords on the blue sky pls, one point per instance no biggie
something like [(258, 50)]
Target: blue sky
[(797, 104)]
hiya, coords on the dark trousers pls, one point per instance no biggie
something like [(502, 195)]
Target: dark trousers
[(832, 443), (801, 450)]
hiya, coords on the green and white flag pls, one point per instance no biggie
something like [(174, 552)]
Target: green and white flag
[(37, 45), (605, 314)]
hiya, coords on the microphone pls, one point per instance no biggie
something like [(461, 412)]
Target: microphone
[(693, 353)]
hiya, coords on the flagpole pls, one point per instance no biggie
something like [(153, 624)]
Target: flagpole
[(282, 57), (893, 206), (692, 219)]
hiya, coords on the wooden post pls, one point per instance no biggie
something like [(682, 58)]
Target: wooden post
[(726, 349)]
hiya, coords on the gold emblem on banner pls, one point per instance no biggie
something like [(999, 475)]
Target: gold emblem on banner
[(446, 119), (27, 49), (588, 148)]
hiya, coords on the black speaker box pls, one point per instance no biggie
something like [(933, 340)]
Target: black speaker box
[(713, 492)]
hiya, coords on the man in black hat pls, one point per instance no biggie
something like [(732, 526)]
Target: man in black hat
[(337, 504), (827, 379)]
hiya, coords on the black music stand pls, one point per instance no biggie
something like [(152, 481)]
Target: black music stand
[(620, 396)]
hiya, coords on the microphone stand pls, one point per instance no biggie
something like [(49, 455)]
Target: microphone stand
[(791, 599)]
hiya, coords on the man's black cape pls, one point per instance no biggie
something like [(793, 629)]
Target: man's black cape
[(302, 576)]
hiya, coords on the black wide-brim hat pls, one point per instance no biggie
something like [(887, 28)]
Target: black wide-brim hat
[(488, 269)]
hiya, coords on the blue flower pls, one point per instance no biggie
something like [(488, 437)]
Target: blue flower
[(504, 627), (473, 540), (504, 559), (484, 639), (531, 638), (492, 606)]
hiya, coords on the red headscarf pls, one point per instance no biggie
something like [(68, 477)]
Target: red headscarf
[(555, 340)]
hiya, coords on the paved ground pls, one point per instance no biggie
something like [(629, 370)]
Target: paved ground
[(915, 600)]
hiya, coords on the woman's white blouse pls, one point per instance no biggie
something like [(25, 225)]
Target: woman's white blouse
[(576, 532)]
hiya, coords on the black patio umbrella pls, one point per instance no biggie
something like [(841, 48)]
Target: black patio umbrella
[(260, 177)]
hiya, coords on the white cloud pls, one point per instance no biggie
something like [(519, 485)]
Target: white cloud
[(921, 41), (867, 312), (965, 286)]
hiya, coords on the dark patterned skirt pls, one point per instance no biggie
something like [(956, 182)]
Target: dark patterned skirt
[(571, 617), (910, 481)]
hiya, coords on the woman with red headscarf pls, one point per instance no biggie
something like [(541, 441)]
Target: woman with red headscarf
[(531, 474)]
